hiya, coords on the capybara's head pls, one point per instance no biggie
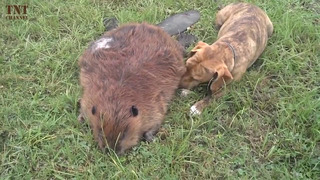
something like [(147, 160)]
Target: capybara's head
[(205, 62), (114, 118)]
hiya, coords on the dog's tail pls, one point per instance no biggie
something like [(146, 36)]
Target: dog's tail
[(224, 14)]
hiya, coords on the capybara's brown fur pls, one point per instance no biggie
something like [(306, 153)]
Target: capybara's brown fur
[(128, 77)]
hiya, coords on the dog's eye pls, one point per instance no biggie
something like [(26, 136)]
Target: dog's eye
[(215, 76), (134, 111)]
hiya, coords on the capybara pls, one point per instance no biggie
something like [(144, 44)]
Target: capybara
[(128, 77)]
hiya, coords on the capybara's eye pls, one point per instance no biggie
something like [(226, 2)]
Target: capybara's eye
[(93, 110), (134, 111)]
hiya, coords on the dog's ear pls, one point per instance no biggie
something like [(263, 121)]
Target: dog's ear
[(227, 73), (219, 72), (224, 73), (200, 45), (219, 78), (192, 61), (198, 54)]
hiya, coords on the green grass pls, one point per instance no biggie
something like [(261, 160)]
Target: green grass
[(267, 126)]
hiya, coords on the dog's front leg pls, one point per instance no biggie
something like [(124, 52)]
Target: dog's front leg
[(198, 107), (214, 91)]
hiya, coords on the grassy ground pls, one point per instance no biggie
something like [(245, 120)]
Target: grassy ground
[(266, 127)]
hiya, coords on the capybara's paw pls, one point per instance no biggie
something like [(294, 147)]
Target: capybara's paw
[(148, 136), (81, 118)]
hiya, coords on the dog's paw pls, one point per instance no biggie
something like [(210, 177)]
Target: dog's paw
[(185, 92), (194, 111)]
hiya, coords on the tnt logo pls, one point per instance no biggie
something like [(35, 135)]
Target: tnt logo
[(17, 12)]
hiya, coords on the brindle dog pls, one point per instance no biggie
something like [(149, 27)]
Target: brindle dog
[(243, 35)]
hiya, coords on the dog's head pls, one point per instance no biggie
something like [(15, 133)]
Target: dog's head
[(206, 63)]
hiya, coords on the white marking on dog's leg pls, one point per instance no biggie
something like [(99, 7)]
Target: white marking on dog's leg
[(185, 92), (103, 43), (194, 110)]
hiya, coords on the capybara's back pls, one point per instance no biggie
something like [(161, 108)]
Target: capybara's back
[(128, 77)]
